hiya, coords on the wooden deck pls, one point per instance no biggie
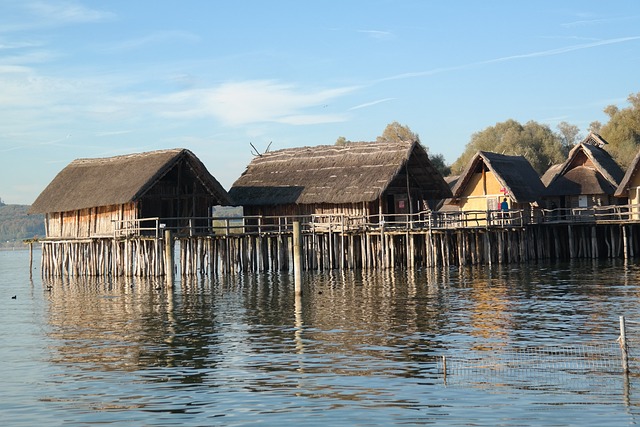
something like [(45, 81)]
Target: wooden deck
[(222, 245)]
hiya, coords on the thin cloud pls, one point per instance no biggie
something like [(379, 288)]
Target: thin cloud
[(312, 119), (112, 133), (254, 101), (596, 21), (155, 38), (5, 45), (377, 34), (14, 69), (423, 73), (543, 53), (372, 103), (56, 142), (562, 50), (30, 57), (68, 12), (34, 15)]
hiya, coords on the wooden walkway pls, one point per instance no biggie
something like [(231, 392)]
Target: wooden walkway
[(207, 246)]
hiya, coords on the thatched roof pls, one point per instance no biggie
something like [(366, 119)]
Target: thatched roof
[(632, 171), (514, 173), (580, 180), (448, 204), (594, 139), (602, 177), (451, 180), (332, 174), (87, 183), (551, 173)]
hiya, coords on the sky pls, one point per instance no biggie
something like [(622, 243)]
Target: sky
[(100, 78)]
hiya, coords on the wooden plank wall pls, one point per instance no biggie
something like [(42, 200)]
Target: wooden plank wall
[(322, 251), (86, 223)]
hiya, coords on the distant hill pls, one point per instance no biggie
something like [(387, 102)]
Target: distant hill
[(16, 225)]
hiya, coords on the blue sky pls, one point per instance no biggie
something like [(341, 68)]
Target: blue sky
[(107, 77)]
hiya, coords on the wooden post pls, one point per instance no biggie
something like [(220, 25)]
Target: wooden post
[(383, 248), (623, 346), (297, 258), (625, 243), (444, 367), (30, 260), (571, 247), (168, 257), (411, 251)]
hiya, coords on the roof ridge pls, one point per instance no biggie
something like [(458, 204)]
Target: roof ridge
[(94, 160)]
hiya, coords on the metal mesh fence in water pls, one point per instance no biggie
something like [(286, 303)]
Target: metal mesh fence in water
[(578, 358)]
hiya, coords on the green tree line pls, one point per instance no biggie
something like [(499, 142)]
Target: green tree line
[(541, 145), (16, 225)]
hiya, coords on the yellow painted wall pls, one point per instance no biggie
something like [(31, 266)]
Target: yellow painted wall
[(634, 195), (474, 204), (478, 191), (635, 181), (634, 200)]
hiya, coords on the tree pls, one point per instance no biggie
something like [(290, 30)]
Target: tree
[(397, 132), (622, 131), (439, 163), (342, 141), (568, 134), (595, 126), (535, 142)]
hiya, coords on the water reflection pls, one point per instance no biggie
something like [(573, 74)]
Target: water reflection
[(353, 338)]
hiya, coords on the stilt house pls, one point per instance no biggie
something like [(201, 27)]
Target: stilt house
[(589, 177), (357, 179), (629, 189), (91, 198), (490, 178)]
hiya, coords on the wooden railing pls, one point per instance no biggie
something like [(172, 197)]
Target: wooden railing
[(336, 223)]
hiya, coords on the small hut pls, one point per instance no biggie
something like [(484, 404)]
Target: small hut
[(490, 178), (589, 177), (363, 179), (629, 189), (91, 197)]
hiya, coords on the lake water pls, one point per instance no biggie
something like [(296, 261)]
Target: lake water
[(358, 348)]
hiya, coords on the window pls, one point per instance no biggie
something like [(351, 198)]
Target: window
[(582, 201)]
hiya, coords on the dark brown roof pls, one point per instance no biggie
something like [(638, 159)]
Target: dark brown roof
[(582, 181), (632, 171), (87, 183), (355, 172), (514, 173), (594, 139), (551, 173), (451, 180)]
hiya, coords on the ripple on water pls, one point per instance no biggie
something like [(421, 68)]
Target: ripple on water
[(362, 349)]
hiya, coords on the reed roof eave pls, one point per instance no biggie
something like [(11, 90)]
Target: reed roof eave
[(87, 183), (328, 174), (514, 173), (600, 158), (581, 180), (551, 173), (632, 171)]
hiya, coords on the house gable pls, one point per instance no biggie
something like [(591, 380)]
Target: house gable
[(360, 173), (491, 176), (92, 196)]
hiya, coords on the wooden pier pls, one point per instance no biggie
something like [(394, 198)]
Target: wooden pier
[(209, 246)]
